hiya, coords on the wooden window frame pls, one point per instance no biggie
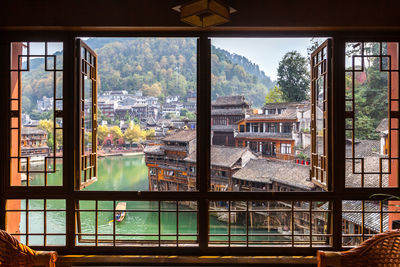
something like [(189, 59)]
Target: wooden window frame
[(86, 68), (335, 127)]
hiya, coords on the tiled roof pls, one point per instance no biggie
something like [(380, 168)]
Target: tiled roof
[(181, 136), (287, 114), (174, 148), (284, 172), (122, 108), (371, 164), (371, 220), (139, 105), (287, 105), (164, 122), (153, 150), (231, 111), (368, 150), (224, 156), (32, 130), (363, 148), (223, 128), (151, 121), (229, 100), (383, 126)]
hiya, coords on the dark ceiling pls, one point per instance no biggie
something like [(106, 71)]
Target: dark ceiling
[(159, 13)]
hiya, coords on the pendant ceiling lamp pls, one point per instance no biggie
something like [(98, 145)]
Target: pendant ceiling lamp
[(204, 13)]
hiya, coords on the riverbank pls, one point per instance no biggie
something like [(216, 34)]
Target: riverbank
[(102, 154)]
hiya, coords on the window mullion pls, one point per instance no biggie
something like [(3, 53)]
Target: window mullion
[(203, 133), (337, 132), (69, 140)]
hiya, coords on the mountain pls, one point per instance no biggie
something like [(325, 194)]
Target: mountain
[(165, 66), (248, 66)]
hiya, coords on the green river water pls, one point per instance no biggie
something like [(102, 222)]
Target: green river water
[(121, 174)]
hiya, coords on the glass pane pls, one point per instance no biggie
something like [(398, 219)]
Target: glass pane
[(261, 114), (35, 220), (269, 223), (371, 127), (363, 219), (35, 144), (146, 113), (137, 223)]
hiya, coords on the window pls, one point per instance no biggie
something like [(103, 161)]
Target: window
[(88, 114), (271, 127), (271, 111), (255, 127), (286, 127), (47, 198), (286, 149), (153, 171)]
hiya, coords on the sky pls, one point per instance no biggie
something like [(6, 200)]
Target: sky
[(265, 52)]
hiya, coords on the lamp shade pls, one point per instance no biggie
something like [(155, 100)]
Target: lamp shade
[(204, 13)]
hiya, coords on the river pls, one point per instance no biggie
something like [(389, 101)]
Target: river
[(121, 174)]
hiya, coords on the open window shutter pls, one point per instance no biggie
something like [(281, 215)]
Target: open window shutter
[(320, 88), (87, 78)]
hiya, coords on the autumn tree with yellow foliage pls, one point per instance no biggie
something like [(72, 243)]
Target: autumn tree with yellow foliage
[(134, 133), (48, 126), (102, 133), (116, 133)]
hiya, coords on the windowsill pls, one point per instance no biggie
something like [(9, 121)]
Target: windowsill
[(67, 260)]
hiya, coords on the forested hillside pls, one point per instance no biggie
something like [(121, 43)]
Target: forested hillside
[(164, 66)]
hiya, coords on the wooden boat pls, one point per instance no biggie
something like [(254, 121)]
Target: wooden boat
[(120, 211)]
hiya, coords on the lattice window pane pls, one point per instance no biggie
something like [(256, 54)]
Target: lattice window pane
[(320, 88), (36, 103), (87, 66), (270, 223), (137, 223), (37, 222), (372, 105)]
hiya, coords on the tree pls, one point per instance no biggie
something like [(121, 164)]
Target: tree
[(134, 133), (47, 125), (370, 97), (102, 133), (116, 133), (190, 115), (170, 115), (127, 116), (157, 66), (59, 138), (183, 112), (154, 90), (150, 133), (274, 95), (314, 44), (293, 77)]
